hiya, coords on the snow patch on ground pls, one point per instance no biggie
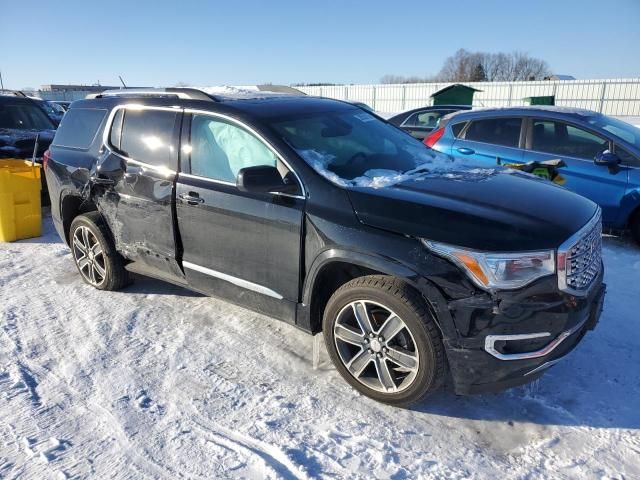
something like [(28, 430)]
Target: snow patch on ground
[(158, 382)]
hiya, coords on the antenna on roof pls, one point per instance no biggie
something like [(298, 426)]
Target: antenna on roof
[(122, 81)]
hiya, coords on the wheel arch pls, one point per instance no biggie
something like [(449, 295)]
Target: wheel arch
[(71, 206), (335, 267)]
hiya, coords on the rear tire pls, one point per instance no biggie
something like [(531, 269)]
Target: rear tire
[(403, 367), (94, 253)]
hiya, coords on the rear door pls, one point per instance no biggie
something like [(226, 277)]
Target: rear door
[(491, 141), (141, 160), (239, 245), (549, 139)]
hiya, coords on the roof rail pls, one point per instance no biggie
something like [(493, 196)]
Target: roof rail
[(14, 93), (184, 93)]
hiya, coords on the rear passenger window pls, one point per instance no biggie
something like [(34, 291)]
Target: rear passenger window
[(79, 127), (497, 131), (457, 128), (566, 140), (147, 136)]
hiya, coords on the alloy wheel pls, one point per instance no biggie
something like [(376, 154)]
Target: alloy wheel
[(376, 346), (89, 256)]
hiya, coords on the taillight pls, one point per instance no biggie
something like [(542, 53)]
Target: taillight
[(45, 158), (433, 137)]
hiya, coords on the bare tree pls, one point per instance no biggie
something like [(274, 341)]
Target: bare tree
[(391, 79), (465, 66)]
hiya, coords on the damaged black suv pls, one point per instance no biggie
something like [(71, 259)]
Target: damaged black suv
[(413, 265)]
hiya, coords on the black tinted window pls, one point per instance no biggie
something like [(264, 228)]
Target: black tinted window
[(457, 128), (79, 127), (563, 139), (147, 136), (24, 116), (498, 131)]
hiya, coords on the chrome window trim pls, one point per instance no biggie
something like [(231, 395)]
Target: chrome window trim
[(259, 137), (235, 280), (206, 179), (135, 106), (490, 340), (564, 249), (231, 184)]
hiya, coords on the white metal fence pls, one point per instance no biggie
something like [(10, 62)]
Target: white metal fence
[(63, 95), (619, 96)]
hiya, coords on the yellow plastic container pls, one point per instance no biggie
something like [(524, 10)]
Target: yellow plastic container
[(20, 215)]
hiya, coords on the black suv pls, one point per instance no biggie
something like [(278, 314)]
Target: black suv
[(321, 214), (22, 121)]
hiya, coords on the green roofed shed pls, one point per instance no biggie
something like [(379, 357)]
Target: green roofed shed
[(541, 100), (456, 94)]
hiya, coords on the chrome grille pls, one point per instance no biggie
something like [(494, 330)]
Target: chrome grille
[(580, 258)]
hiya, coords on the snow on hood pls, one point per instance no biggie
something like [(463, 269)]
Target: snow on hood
[(20, 143), (441, 165)]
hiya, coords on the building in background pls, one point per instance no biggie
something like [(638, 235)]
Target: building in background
[(71, 92)]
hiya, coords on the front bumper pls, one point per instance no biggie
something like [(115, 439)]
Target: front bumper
[(512, 340)]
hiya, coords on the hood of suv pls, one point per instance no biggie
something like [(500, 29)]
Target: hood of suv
[(19, 143), (499, 211)]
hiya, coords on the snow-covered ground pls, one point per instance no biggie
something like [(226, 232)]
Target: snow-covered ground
[(159, 382)]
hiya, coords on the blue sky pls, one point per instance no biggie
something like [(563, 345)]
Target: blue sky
[(248, 42)]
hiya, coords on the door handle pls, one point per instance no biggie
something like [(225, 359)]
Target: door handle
[(98, 180), (466, 151), (192, 198)]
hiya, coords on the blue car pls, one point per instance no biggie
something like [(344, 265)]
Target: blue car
[(602, 154)]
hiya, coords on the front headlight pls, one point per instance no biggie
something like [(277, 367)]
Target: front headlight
[(498, 271)]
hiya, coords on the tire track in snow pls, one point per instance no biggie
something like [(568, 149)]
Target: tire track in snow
[(272, 456)]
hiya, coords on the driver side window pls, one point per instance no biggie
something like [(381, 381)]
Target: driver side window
[(220, 149)]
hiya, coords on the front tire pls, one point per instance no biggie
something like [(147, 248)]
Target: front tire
[(383, 340), (94, 253)]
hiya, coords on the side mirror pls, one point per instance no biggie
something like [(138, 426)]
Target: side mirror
[(261, 179), (607, 159)]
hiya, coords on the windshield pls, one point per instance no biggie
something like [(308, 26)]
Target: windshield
[(353, 147), (618, 128), (24, 116)]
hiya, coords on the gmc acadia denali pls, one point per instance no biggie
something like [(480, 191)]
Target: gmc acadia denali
[(414, 266)]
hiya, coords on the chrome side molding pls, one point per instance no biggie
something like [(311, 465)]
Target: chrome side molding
[(235, 280)]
